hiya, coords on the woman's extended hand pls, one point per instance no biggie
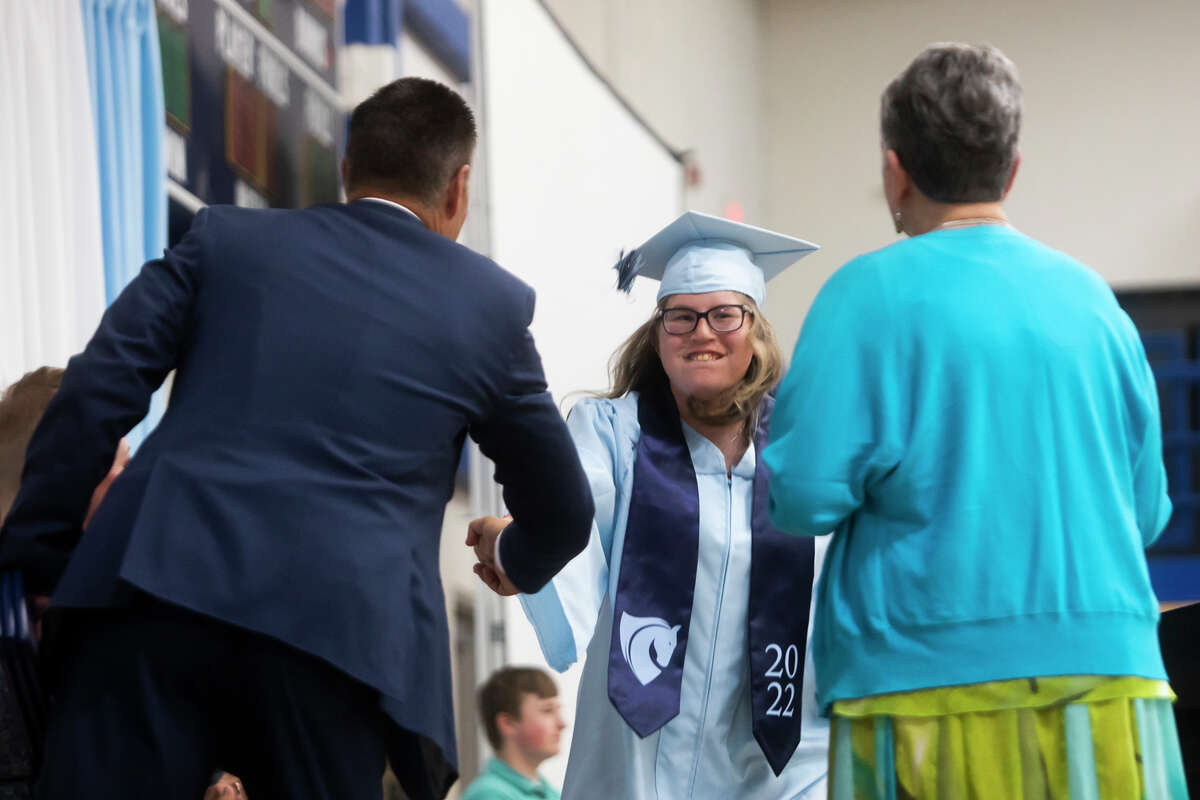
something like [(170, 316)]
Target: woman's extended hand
[(118, 465)]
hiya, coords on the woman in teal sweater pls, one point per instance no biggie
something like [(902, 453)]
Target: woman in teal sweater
[(972, 415)]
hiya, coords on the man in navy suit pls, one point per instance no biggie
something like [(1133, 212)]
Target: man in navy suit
[(260, 589)]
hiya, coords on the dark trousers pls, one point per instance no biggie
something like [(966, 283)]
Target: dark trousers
[(151, 699)]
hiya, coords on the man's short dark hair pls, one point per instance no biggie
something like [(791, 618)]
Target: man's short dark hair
[(503, 692), (409, 138), (21, 409)]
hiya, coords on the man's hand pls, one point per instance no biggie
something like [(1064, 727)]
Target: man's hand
[(118, 465), (481, 535), (227, 787), (496, 580)]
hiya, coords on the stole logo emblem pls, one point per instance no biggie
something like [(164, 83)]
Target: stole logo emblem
[(640, 636)]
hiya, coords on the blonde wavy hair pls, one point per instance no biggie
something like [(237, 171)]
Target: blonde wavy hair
[(636, 366)]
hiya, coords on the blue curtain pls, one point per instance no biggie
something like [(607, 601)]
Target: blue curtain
[(125, 75), (372, 21), (441, 25)]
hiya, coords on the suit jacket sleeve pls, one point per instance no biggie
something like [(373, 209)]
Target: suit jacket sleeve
[(105, 392), (564, 613), (543, 483)]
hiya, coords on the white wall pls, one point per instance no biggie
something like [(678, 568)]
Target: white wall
[(693, 69), (1110, 170), (572, 179)]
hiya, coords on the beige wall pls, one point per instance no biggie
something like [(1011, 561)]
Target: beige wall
[(692, 69), (1110, 172), (779, 99), (458, 583)]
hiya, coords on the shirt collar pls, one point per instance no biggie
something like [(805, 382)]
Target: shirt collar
[(405, 209), (707, 458), (503, 771)]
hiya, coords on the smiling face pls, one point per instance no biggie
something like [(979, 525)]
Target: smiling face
[(703, 364)]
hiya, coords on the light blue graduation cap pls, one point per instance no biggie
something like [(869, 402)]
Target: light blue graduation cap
[(700, 253)]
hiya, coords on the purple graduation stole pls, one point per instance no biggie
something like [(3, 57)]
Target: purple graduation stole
[(656, 584)]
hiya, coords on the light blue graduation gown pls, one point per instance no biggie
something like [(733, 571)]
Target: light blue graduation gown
[(708, 750)]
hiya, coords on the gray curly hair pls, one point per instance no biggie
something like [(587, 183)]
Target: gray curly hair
[(953, 118)]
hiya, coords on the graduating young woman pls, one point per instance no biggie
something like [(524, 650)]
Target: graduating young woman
[(692, 609)]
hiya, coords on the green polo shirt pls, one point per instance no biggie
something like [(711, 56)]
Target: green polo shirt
[(499, 781)]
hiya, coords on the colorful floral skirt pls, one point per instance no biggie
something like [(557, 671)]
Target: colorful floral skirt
[(1074, 737)]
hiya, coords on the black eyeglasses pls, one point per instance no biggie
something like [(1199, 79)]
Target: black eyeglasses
[(721, 319)]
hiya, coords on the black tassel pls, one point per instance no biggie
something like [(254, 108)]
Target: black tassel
[(627, 268)]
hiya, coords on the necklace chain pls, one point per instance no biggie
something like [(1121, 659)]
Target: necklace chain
[(965, 221)]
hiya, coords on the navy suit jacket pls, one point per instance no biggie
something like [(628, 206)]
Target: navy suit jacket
[(330, 362)]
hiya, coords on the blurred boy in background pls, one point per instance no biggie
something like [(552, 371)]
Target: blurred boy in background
[(523, 718)]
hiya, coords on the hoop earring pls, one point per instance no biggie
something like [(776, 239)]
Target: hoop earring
[(899, 220)]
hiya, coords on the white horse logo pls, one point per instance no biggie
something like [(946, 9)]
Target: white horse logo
[(638, 635)]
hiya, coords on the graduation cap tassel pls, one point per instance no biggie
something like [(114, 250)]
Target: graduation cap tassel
[(627, 268)]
